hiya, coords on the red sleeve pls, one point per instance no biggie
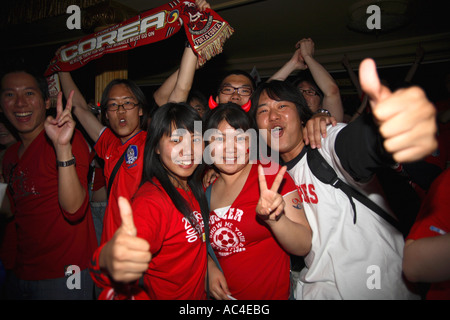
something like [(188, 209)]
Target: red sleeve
[(433, 218), (100, 278), (102, 142), (80, 150)]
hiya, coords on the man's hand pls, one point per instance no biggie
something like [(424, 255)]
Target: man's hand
[(406, 118)]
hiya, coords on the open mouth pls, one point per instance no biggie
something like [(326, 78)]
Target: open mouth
[(23, 116), (184, 163), (277, 131)]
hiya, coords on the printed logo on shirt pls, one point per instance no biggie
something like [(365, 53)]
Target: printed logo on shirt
[(307, 193), (132, 154), (226, 238), (193, 234)]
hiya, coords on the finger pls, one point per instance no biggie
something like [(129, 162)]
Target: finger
[(276, 203), (370, 82), (261, 179), (59, 104), (409, 104), (69, 101), (413, 145), (278, 179), (127, 217), (305, 136), (279, 210), (323, 128), (65, 118)]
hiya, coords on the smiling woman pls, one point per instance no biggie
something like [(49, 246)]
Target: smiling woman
[(250, 226)]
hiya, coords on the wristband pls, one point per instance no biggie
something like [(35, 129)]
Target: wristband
[(66, 163), (324, 111)]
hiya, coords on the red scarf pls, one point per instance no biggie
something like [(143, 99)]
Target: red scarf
[(206, 32)]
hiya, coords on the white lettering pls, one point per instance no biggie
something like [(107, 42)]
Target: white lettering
[(374, 21), (128, 31), (74, 280), (74, 21), (374, 280)]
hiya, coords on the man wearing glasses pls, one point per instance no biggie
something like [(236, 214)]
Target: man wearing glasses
[(237, 87)]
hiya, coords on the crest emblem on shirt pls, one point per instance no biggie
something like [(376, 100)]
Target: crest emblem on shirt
[(132, 154)]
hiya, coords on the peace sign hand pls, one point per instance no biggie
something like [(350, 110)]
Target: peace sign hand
[(271, 204), (60, 129)]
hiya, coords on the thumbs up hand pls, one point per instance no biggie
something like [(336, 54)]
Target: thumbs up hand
[(125, 256), (406, 118)]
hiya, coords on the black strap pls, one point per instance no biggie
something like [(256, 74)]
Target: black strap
[(113, 173), (208, 244), (326, 174)]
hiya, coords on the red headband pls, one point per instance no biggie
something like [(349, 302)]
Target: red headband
[(212, 104)]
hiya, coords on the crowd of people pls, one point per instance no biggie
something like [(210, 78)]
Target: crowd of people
[(189, 212)]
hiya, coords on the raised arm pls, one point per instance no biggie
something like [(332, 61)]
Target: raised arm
[(177, 86), (88, 120), (185, 77), (332, 97), (295, 63), (71, 193)]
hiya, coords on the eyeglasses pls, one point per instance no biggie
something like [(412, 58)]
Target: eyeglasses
[(308, 92), (127, 105), (242, 91)]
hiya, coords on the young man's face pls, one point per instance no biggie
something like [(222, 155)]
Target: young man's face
[(22, 103), (283, 123), (234, 83), (125, 123)]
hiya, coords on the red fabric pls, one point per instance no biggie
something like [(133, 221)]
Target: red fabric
[(48, 238), (110, 148), (254, 264), (434, 216), (8, 245), (206, 31), (178, 267)]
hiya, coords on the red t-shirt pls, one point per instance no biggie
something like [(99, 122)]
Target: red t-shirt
[(110, 148), (433, 220), (254, 264), (48, 238), (178, 267)]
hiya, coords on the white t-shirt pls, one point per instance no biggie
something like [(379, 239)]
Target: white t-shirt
[(347, 260)]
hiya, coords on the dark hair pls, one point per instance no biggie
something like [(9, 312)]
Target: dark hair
[(281, 91), (306, 76), (231, 113), (137, 92), (165, 119), (198, 95), (239, 73), (19, 65)]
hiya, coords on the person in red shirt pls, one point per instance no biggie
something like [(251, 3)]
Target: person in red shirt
[(46, 172), (427, 249), (162, 236), (253, 229)]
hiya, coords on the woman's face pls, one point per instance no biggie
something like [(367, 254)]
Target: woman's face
[(230, 148), (124, 121), (180, 153)]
